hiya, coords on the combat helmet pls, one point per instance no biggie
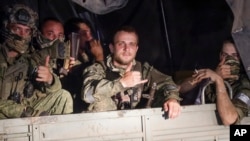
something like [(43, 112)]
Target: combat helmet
[(19, 14)]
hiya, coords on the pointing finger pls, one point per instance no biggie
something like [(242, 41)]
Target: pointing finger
[(143, 81)]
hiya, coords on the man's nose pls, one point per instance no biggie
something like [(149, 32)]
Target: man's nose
[(126, 46), (22, 33), (54, 36)]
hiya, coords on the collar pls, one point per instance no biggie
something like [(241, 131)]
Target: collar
[(113, 68)]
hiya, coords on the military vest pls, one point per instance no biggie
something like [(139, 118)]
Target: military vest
[(13, 78)]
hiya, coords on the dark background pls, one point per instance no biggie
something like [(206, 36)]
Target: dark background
[(175, 35)]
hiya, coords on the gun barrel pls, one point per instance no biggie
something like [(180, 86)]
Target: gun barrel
[(151, 95)]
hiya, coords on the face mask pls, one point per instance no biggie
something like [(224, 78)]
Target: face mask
[(17, 43)]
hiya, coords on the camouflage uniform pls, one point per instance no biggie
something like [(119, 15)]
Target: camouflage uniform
[(101, 86), (240, 89), (240, 99), (54, 101), (20, 94)]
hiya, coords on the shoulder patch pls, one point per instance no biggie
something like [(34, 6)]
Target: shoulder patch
[(244, 98)]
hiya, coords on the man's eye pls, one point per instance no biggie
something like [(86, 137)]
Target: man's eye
[(224, 54), (27, 31), (49, 33), (60, 36), (235, 55), (120, 43), (132, 44), (15, 29), (82, 32)]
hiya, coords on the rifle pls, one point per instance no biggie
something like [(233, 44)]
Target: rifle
[(151, 95), (122, 103)]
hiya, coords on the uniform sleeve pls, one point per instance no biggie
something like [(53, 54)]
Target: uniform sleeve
[(241, 99), (55, 86), (96, 87), (165, 84)]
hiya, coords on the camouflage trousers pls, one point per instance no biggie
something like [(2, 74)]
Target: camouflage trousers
[(55, 104)]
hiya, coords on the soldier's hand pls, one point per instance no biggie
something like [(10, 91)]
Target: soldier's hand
[(44, 73), (72, 62), (197, 77), (224, 70), (131, 78), (173, 107), (208, 74), (97, 50)]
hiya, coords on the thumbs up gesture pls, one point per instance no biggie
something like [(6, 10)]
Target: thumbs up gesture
[(43, 73), (131, 78)]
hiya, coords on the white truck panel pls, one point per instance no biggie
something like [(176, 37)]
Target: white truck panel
[(196, 123)]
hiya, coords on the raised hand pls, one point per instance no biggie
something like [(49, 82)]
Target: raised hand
[(131, 78), (72, 62), (224, 70), (96, 49), (43, 72), (206, 73)]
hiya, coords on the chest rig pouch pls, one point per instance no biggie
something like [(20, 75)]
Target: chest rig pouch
[(134, 93), (13, 79)]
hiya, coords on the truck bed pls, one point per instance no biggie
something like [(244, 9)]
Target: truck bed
[(196, 123)]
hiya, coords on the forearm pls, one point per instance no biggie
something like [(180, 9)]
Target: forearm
[(99, 89), (187, 85), (226, 109), (96, 87), (171, 90)]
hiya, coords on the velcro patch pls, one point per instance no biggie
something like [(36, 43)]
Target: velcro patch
[(244, 98)]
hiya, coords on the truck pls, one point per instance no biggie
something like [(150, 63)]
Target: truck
[(196, 123), (176, 37)]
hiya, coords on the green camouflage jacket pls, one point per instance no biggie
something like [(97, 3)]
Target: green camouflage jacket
[(240, 95), (101, 87), (17, 73)]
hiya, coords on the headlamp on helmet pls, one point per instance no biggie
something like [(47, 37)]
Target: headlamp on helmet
[(21, 14)]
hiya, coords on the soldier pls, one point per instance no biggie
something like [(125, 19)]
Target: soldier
[(90, 50), (229, 77), (52, 30), (28, 87), (119, 82)]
